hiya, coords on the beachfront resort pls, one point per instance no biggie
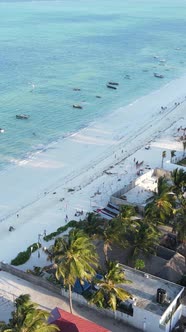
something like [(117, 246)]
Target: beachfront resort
[(133, 228)]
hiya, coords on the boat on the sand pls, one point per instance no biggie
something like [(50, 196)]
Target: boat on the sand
[(22, 116)]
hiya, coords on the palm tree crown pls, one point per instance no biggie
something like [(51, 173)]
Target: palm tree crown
[(27, 318), (110, 287), (75, 257)]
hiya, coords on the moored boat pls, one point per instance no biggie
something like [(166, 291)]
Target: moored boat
[(111, 87), (22, 116), (77, 106), (158, 75), (113, 83)]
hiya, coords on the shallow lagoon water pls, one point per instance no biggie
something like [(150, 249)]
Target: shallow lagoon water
[(61, 45)]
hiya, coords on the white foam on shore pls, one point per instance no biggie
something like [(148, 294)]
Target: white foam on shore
[(78, 161)]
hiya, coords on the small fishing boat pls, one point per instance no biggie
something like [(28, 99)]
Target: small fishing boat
[(22, 116), (76, 89), (98, 96), (111, 87), (77, 106), (113, 83), (158, 75), (2, 130)]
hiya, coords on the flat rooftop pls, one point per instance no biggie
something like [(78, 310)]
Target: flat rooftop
[(142, 191), (144, 289)]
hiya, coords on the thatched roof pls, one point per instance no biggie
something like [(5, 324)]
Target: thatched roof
[(174, 268)]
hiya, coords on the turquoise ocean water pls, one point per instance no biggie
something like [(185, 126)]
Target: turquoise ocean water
[(61, 45)]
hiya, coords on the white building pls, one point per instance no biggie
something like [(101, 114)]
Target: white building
[(150, 310)]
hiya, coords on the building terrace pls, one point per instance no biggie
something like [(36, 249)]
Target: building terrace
[(140, 191), (143, 288)]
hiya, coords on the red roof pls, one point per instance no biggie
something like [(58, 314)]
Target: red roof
[(70, 323)]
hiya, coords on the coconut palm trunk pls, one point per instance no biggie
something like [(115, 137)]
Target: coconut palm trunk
[(163, 157), (173, 153), (70, 298), (184, 148)]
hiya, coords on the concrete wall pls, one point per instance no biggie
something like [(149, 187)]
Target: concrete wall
[(172, 314), (31, 278), (159, 172), (184, 310), (143, 320), (115, 198)]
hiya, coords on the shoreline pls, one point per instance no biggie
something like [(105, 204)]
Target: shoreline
[(34, 188), (41, 148)]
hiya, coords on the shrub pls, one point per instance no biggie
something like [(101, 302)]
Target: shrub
[(24, 256), (21, 258)]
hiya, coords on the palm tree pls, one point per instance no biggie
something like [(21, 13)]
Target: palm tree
[(26, 318), (75, 257), (127, 211), (110, 287), (184, 148), (179, 179), (161, 209), (92, 223), (110, 234), (145, 238), (163, 157), (163, 186), (180, 222), (173, 153)]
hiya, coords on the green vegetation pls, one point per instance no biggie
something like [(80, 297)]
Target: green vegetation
[(139, 264), (24, 256), (27, 317), (75, 257), (182, 162), (110, 292)]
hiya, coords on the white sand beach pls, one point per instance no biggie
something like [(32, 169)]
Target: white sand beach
[(35, 193)]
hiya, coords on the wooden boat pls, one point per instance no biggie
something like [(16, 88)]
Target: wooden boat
[(111, 87), (77, 106), (113, 83), (22, 116), (158, 75)]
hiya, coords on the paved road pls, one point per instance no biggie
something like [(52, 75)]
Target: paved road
[(12, 286)]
